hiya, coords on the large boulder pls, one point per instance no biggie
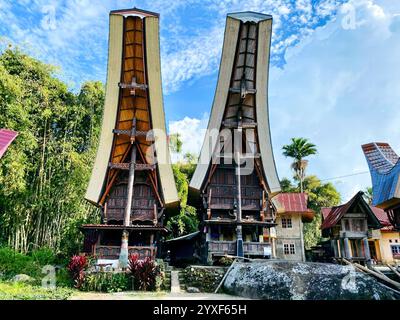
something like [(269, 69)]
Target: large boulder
[(284, 280)]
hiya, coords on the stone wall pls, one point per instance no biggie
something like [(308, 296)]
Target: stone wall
[(205, 278)]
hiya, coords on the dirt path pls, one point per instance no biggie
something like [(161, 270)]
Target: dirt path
[(151, 296)]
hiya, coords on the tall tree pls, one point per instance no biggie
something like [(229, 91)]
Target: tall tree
[(299, 149), (175, 143), (44, 174)]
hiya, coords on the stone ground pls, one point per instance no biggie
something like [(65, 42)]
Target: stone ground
[(152, 296)]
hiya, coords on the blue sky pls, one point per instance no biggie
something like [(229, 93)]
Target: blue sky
[(334, 76)]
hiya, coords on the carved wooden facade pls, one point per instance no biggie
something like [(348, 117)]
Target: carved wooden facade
[(135, 191), (236, 185)]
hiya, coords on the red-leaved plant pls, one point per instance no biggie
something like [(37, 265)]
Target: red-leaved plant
[(76, 268), (144, 272)]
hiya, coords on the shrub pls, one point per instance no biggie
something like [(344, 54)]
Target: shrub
[(225, 261), (145, 274), (63, 278), (76, 268), (23, 291), (44, 256), (105, 282), (13, 263)]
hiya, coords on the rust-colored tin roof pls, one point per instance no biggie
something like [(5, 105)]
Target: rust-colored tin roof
[(294, 203), (333, 215)]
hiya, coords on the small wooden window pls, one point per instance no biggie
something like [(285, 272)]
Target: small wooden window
[(287, 223), (289, 248)]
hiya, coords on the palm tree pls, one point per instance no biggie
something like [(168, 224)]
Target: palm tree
[(298, 150)]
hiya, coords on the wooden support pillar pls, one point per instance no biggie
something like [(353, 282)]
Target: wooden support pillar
[(335, 249), (131, 181), (239, 234), (123, 256), (347, 248), (124, 251), (367, 252), (273, 248)]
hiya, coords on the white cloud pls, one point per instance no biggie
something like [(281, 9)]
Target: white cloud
[(76, 37), (341, 89), (191, 131)]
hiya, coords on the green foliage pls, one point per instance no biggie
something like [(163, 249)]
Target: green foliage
[(22, 291), (44, 174), (63, 279), (175, 143), (319, 195), (368, 196), (13, 263), (203, 278), (106, 282), (186, 221), (43, 256), (190, 158), (299, 149), (225, 261)]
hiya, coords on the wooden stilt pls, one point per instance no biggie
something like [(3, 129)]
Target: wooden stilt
[(123, 258)]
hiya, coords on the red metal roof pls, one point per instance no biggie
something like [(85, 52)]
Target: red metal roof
[(383, 219), (293, 202), (6, 138), (333, 215), (325, 212)]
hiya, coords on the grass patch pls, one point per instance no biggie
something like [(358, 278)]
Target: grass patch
[(21, 291)]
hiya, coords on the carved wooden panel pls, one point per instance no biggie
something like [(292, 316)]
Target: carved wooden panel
[(223, 190), (143, 201)]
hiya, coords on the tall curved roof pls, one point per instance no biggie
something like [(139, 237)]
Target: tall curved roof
[(133, 64), (241, 52), (384, 165)]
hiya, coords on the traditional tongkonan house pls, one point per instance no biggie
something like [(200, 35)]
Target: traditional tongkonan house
[(132, 180), (236, 175), (384, 166), (352, 228)]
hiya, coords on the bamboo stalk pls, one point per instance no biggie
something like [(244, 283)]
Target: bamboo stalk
[(394, 270), (374, 273), (225, 275)]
